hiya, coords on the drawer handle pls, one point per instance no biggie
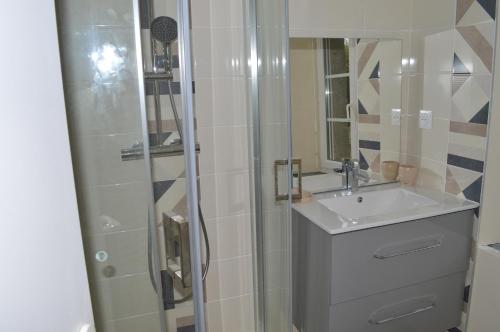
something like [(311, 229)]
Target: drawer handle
[(430, 244), (414, 312)]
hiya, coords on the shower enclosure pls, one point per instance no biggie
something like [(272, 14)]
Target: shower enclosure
[(138, 157)]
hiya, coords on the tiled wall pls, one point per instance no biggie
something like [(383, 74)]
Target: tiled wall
[(471, 96), (451, 52), (447, 53), (379, 91), (221, 110), (220, 90)]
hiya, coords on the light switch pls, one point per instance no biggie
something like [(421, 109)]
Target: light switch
[(396, 117), (425, 119)]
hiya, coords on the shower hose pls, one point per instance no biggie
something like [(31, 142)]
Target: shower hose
[(200, 213)]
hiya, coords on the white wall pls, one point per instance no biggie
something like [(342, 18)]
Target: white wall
[(43, 280)]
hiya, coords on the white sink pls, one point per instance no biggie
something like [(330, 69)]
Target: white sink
[(374, 203)]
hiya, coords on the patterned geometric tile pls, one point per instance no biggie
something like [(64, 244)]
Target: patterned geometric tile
[(371, 145), (369, 160), (474, 48), (489, 6), (481, 46), (452, 186), (473, 129), (185, 324), (475, 11), (454, 330), (366, 50), (467, 163), (473, 192), (463, 182), (168, 168), (167, 284), (369, 132), (375, 82), (169, 201), (470, 96), (161, 187), (369, 97), (189, 328), (363, 163), (463, 6), (361, 108), (459, 66), (470, 152), (369, 118), (481, 117), (375, 165), (376, 71)]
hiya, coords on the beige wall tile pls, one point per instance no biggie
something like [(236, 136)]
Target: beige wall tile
[(233, 233), (202, 53), (231, 149), (326, 15), (387, 15), (235, 276), (237, 314), (432, 50), (428, 14), (431, 174), (226, 13), (229, 100), (228, 48)]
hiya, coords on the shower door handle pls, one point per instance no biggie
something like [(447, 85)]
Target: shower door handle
[(296, 191)]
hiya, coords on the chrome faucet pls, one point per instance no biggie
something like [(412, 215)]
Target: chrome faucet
[(351, 174)]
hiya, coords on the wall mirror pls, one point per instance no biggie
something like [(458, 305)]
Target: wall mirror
[(346, 103)]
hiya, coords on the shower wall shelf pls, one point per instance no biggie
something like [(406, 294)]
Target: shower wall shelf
[(157, 151)]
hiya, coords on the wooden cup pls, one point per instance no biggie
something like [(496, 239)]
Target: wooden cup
[(408, 174), (390, 169)]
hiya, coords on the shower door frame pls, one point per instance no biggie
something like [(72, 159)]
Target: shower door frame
[(155, 252), (189, 140), (255, 133)]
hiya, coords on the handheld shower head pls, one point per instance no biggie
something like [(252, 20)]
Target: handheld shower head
[(164, 29), (163, 32)]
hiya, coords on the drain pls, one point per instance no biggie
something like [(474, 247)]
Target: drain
[(360, 199)]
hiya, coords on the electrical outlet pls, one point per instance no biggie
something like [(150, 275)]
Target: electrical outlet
[(396, 117), (425, 119)]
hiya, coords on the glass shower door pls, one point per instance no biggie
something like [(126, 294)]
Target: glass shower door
[(127, 182), (269, 92)]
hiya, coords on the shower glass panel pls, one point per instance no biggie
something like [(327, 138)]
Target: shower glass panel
[(124, 93), (268, 53)]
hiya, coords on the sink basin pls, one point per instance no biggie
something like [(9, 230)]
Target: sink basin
[(373, 203)]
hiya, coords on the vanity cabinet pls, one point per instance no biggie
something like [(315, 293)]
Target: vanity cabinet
[(407, 276)]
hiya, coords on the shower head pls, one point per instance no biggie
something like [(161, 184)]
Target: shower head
[(164, 29)]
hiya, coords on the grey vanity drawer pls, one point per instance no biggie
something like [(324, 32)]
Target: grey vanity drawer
[(433, 306), (380, 259)]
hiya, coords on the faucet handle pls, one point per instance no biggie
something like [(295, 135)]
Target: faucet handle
[(346, 164), (355, 163)]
